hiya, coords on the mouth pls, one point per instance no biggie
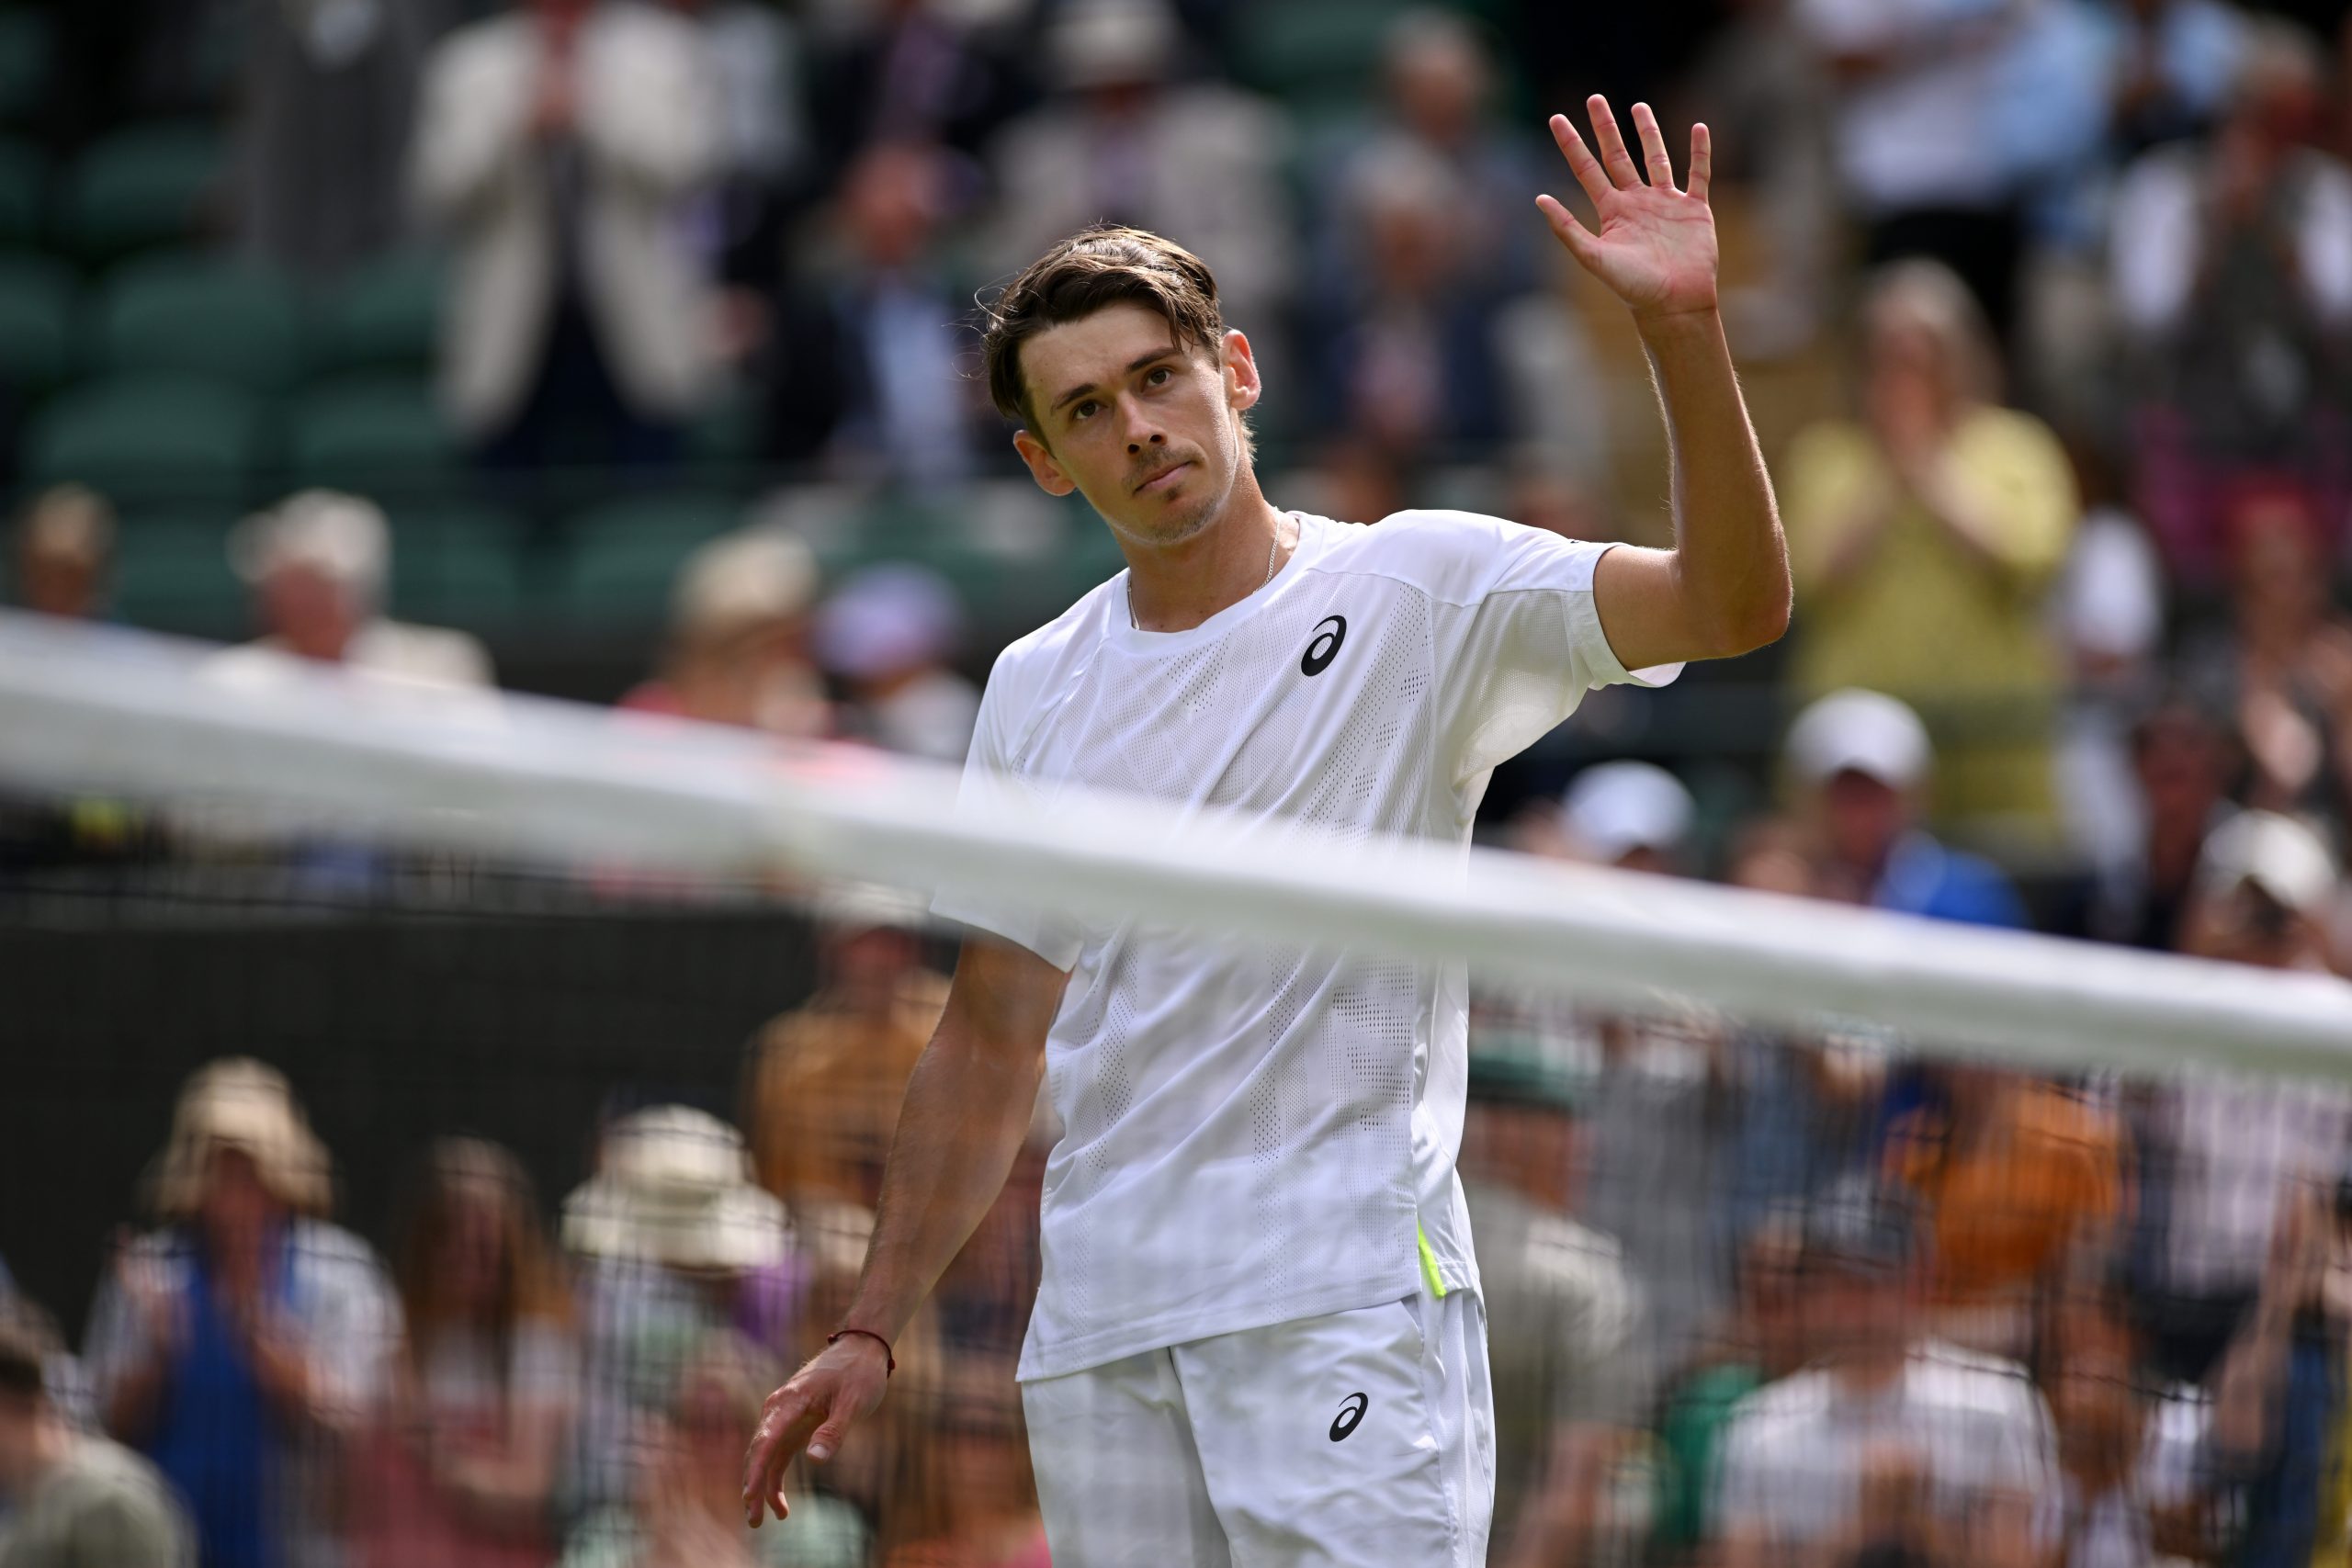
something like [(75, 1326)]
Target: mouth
[(1163, 479)]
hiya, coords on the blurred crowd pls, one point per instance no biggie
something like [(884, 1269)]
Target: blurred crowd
[(2045, 312)]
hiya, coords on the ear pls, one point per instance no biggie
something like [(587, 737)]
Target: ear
[(1042, 467), (1242, 387)]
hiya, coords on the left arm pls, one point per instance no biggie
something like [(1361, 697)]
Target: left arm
[(1724, 589)]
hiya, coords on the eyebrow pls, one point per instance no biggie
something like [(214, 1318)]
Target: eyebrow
[(1133, 365)]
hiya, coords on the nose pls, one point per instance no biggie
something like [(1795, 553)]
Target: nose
[(1140, 434)]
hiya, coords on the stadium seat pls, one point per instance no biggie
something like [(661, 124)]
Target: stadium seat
[(622, 554), (37, 312), (172, 573), (206, 315), (384, 315), (458, 563), (150, 438), (26, 49), (1313, 51), (377, 434), (24, 192), (143, 185)]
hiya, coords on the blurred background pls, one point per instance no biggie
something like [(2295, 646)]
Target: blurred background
[(624, 352)]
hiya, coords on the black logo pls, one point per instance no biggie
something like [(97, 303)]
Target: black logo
[(1350, 1413), (1321, 652)]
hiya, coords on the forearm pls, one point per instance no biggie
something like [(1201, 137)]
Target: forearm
[(966, 1111), (1730, 555)]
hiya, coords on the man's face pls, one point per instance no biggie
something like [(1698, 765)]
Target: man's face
[(1146, 428), (1865, 817)]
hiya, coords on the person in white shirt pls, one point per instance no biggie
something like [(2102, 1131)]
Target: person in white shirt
[(1258, 1337)]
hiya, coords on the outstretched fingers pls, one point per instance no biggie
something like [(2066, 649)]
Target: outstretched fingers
[(1572, 232), (1702, 161), (1605, 136), (1581, 163), (1654, 153)]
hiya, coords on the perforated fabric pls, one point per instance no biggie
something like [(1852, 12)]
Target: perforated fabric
[(1253, 1134)]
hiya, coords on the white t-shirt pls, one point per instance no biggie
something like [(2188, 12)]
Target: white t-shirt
[(1796, 1451), (1252, 1133)]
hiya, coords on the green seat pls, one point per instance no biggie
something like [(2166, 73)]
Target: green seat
[(386, 314), (458, 563), (377, 434), (142, 186), (24, 192), (171, 572), (149, 439), (1319, 51), (207, 315), (37, 310), (728, 430), (26, 49), (621, 557)]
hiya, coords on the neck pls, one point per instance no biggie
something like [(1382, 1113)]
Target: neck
[(1175, 587)]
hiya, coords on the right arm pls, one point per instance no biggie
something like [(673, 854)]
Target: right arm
[(968, 1109)]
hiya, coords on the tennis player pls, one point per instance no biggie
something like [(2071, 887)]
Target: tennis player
[(1258, 1339)]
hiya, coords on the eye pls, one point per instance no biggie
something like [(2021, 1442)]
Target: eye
[(1158, 376), (1083, 409)]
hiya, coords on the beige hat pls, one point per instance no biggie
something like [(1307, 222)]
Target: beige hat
[(674, 1187), (2277, 854), (238, 1103), (1098, 44), (1860, 732), (743, 580)]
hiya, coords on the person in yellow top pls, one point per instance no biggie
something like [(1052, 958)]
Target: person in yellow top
[(1923, 538)]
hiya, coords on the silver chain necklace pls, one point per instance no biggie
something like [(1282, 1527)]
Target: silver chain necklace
[(1273, 548)]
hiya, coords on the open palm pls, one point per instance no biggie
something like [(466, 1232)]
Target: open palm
[(1657, 246)]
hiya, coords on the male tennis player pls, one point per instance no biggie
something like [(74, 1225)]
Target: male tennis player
[(1258, 1339)]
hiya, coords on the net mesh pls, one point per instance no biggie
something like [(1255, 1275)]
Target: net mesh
[(575, 1046)]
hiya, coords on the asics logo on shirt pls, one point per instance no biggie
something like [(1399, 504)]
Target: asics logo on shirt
[(1351, 1413), (1326, 645)]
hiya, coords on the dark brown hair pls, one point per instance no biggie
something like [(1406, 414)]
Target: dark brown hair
[(453, 1172), (1092, 270)]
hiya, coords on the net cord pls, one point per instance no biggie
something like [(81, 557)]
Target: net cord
[(102, 709)]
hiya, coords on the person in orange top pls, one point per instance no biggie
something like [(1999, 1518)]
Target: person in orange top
[(2019, 1172)]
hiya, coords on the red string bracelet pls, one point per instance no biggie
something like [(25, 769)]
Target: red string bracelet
[(890, 1361)]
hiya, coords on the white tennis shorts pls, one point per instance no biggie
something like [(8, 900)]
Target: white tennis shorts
[(1362, 1440)]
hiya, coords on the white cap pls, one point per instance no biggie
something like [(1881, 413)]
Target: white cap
[(741, 580), (886, 619), (2277, 854), (1618, 807), (343, 537), (1099, 43), (1860, 732)]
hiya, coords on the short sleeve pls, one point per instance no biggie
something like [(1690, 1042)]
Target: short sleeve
[(992, 785), (1519, 653), (1743, 1482)]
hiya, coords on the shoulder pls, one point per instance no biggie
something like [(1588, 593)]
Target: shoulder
[(492, 43), (1033, 668), (1765, 1420), (1831, 442), (1453, 556), (332, 1255), (1945, 1376), (640, 24), (1996, 431)]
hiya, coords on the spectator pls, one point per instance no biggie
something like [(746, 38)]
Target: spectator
[(1124, 141), (949, 72), (2021, 1177), (2134, 1465), (461, 1472), (65, 553), (737, 650), (2175, 62), (1918, 105), (1890, 1443), (74, 1500), (685, 1507), (239, 1344), (329, 92), (1923, 542), (1633, 816), (2107, 613), (981, 1497), (674, 1241), (827, 1078), (868, 372), (1563, 1315), (1864, 760), (558, 145), (888, 633), (2266, 887), (2283, 670), (2179, 765), (2231, 271), (319, 563)]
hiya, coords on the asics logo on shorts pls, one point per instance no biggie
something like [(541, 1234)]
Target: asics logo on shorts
[(1326, 645), (1350, 1413)]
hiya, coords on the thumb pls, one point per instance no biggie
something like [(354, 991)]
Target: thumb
[(826, 1437)]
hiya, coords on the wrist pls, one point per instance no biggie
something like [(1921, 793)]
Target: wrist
[(868, 1336), (1664, 322)]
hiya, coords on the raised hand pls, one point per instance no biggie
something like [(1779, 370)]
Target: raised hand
[(1656, 246)]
